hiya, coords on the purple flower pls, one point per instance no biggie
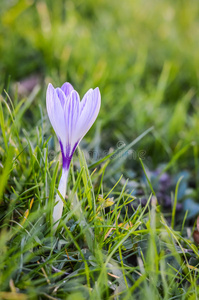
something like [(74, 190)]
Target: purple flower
[(71, 120)]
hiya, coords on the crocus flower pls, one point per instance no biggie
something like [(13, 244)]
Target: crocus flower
[(71, 120)]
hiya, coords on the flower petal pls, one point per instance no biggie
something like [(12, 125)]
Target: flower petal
[(56, 114), (84, 100), (67, 88), (71, 118), (62, 97), (89, 109)]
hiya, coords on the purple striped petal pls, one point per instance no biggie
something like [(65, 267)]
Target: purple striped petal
[(71, 117), (85, 99), (61, 96), (56, 113), (89, 112), (67, 88)]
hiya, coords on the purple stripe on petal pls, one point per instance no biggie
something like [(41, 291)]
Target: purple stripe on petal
[(61, 96), (66, 159), (67, 88), (71, 115)]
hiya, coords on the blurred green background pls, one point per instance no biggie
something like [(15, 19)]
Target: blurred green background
[(143, 55)]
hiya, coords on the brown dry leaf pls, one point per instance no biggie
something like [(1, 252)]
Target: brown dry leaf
[(115, 276), (126, 226), (193, 268), (196, 236)]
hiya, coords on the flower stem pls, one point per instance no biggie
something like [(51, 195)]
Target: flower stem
[(58, 208)]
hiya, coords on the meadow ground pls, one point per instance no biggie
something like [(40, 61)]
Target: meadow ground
[(129, 229)]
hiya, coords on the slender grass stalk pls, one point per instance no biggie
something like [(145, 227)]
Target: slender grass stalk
[(175, 202)]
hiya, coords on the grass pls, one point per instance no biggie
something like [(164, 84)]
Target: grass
[(129, 226)]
